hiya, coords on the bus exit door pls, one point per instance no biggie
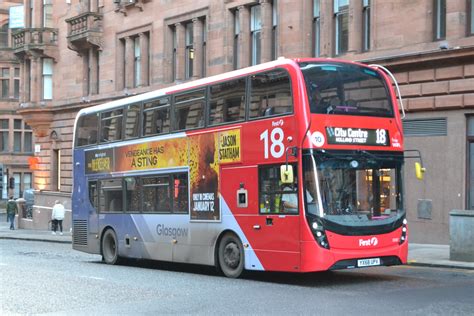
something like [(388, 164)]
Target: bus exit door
[(274, 237)]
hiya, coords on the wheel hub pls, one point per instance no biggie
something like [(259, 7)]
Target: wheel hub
[(231, 255)]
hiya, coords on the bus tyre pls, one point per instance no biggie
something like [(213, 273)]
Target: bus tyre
[(231, 256), (110, 247)]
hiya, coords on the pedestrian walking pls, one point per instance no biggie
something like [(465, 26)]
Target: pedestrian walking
[(12, 209), (57, 217)]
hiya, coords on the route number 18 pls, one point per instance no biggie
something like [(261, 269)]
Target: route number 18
[(274, 144)]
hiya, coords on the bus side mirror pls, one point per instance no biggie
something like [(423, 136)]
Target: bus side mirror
[(419, 171), (286, 174)]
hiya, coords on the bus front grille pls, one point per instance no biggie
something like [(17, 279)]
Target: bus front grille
[(79, 232)]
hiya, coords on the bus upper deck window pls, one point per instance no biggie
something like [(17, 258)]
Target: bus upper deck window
[(270, 94), (111, 126), (86, 131)]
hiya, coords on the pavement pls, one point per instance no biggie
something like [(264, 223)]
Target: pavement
[(418, 254)]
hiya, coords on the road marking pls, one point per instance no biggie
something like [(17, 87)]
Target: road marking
[(92, 277)]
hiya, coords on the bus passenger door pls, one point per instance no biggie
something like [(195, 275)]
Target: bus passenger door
[(274, 237), (92, 207)]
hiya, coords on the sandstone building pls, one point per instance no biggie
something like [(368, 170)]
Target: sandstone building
[(16, 137), (72, 54)]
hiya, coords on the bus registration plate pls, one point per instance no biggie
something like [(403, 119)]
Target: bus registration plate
[(368, 262)]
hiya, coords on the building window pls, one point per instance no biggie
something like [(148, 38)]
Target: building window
[(316, 28), (188, 40), (47, 78), (47, 13), (17, 135), (189, 53), (133, 58), (274, 30), (341, 26), (256, 34), (439, 23), (5, 82), (27, 139), (136, 62), (470, 17), (4, 36), (366, 25), (4, 130), (17, 183), (22, 137), (16, 84), (174, 62), (27, 180), (236, 39)]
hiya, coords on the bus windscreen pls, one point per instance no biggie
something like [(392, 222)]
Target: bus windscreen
[(354, 189), (346, 89)]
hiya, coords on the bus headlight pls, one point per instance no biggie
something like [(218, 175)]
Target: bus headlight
[(320, 234), (403, 237)]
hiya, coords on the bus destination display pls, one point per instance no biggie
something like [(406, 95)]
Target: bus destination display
[(357, 136)]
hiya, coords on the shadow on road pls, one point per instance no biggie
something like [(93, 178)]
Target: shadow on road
[(314, 279)]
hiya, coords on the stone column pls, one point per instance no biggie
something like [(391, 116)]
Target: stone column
[(197, 45), (129, 62), (456, 19), (38, 14), (36, 80), (93, 5), (85, 73), (93, 71), (244, 37), (267, 26), (145, 59), (180, 68), (355, 26), (327, 29)]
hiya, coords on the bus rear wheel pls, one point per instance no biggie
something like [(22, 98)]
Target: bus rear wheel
[(110, 247), (231, 256)]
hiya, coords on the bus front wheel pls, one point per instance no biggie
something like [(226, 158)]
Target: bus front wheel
[(231, 256), (110, 247)]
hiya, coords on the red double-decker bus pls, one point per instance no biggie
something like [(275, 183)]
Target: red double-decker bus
[(293, 165)]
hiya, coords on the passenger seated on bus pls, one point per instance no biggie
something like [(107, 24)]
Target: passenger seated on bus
[(318, 104), (334, 102), (269, 111)]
